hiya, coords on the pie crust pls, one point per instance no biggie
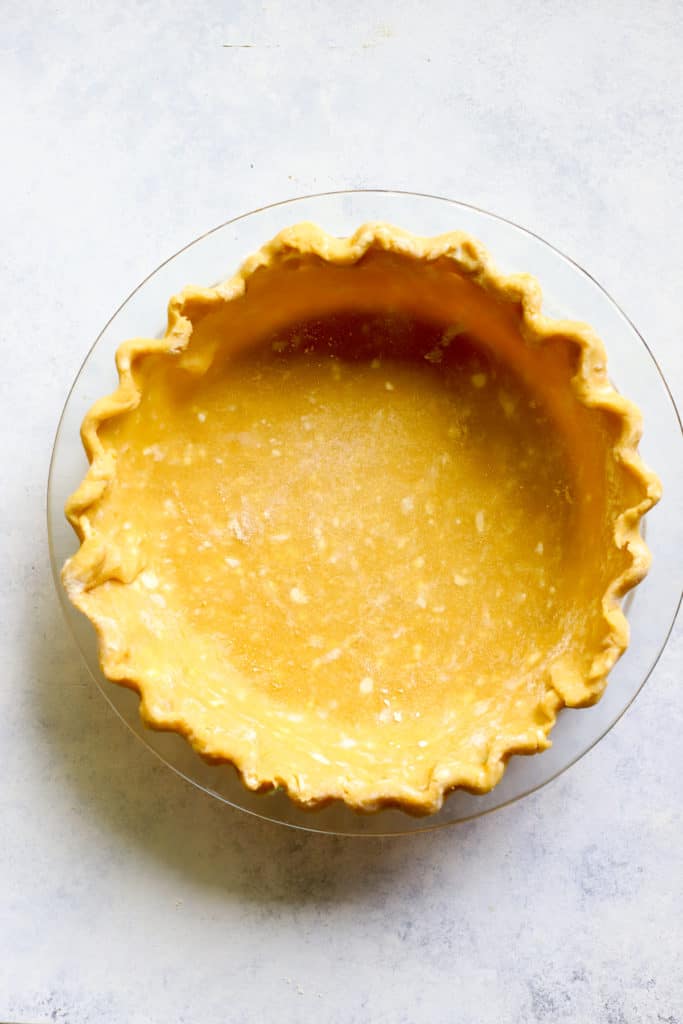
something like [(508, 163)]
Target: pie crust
[(361, 521)]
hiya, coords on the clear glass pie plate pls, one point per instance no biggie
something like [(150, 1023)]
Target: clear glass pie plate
[(568, 292)]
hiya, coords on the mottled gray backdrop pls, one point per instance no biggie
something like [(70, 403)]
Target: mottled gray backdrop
[(128, 129)]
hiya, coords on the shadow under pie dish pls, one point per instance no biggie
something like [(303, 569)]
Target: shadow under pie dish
[(361, 521)]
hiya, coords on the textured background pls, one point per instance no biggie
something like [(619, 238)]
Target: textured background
[(128, 129)]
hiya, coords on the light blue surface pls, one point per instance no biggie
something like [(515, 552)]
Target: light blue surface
[(126, 895)]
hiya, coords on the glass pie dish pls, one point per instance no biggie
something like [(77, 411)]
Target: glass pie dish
[(212, 258)]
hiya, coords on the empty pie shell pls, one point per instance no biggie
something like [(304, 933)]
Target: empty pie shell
[(361, 521)]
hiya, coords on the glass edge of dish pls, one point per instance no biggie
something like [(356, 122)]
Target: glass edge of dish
[(66, 609)]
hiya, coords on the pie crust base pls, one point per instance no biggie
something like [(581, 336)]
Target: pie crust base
[(361, 521)]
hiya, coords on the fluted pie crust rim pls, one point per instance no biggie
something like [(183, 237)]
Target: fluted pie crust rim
[(590, 386)]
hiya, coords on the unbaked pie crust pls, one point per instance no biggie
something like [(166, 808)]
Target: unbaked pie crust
[(361, 521)]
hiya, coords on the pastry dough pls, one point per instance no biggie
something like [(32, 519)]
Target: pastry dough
[(360, 522)]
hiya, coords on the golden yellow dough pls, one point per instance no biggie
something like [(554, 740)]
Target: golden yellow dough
[(360, 522)]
